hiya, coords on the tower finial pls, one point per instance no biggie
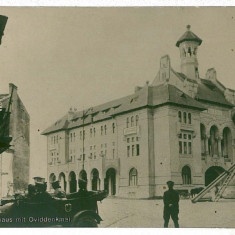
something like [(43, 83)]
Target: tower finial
[(188, 26)]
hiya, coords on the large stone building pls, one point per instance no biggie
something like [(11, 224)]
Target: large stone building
[(180, 128), (14, 162)]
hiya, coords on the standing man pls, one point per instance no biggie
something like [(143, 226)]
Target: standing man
[(171, 205)]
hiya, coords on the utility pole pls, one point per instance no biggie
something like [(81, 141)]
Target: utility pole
[(83, 136)]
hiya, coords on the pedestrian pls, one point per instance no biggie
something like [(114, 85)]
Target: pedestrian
[(171, 205)]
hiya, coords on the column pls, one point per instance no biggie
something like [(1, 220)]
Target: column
[(206, 144), (88, 183), (102, 183), (219, 146)]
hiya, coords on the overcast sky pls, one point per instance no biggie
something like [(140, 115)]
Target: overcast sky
[(80, 57)]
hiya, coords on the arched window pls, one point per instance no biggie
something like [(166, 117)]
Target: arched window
[(127, 122), (203, 139), (226, 143), (179, 116), (185, 117), (113, 127), (136, 120), (189, 118), (214, 133), (133, 177), (186, 175), (132, 121)]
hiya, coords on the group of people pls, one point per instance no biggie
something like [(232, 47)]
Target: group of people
[(38, 191)]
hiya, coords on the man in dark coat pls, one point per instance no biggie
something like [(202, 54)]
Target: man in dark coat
[(58, 192), (41, 194), (171, 205)]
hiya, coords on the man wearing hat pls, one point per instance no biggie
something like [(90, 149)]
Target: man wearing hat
[(41, 186), (82, 192), (171, 205), (58, 192)]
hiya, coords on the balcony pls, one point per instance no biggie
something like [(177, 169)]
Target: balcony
[(131, 130)]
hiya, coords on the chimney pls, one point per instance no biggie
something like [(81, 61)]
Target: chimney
[(70, 114)]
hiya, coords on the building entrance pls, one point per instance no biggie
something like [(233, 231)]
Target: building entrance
[(212, 173), (110, 181)]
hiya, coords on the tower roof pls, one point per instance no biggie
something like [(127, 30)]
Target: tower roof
[(189, 36)]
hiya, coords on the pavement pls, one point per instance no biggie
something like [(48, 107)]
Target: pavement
[(131, 213)]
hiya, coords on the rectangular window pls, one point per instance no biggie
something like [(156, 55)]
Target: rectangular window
[(128, 140), (185, 143), (133, 139), (180, 146), (185, 147), (84, 134), (137, 150), (189, 148), (132, 150), (128, 151)]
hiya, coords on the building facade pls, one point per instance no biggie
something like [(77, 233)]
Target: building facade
[(14, 162), (180, 127)]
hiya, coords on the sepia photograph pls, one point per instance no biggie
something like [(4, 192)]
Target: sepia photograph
[(117, 117)]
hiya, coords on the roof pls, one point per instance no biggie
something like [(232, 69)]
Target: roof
[(61, 124), (207, 91), (148, 96), (189, 36), (3, 96)]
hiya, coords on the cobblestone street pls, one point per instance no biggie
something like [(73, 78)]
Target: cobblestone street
[(125, 213)]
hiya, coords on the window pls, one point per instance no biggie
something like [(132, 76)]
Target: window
[(137, 150), (84, 134), (113, 153), (80, 135), (186, 175), (105, 129), (94, 131), (57, 139), (136, 120), (189, 118), (128, 151), (185, 117), (133, 139), (127, 122), (132, 121), (113, 127), (132, 150), (101, 130), (128, 140), (71, 137), (91, 132), (185, 143), (133, 177), (179, 116)]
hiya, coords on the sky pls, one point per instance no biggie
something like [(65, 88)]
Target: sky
[(81, 57)]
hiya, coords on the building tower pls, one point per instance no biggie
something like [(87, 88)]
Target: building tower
[(188, 45)]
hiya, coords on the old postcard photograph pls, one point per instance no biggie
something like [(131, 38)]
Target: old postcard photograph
[(117, 117)]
